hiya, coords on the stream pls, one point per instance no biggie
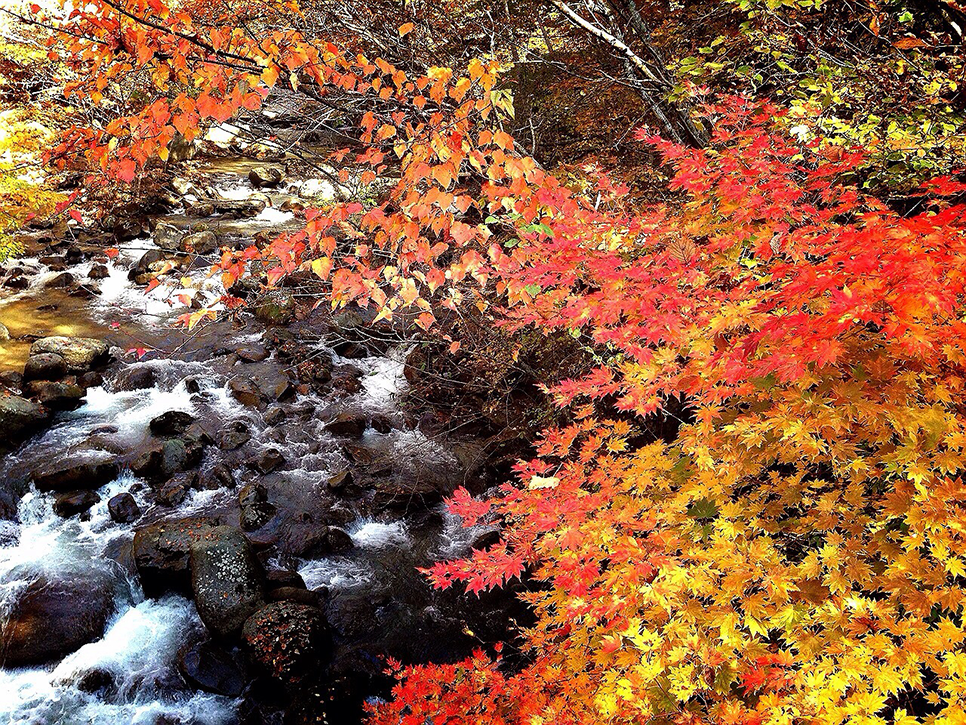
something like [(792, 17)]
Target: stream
[(337, 492)]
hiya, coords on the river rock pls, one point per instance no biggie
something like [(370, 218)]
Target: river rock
[(51, 618), (4, 333), (174, 491), (210, 668), (162, 552), (256, 515), (268, 460), (227, 580), (99, 271), (294, 594), (172, 423), (275, 415), (252, 352), (235, 435), (220, 476), (124, 509), (55, 395), (284, 578), (127, 229), (245, 391), (164, 460), (45, 366), (275, 308), (347, 424), (201, 243), (327, 540), (80, 353), (238, 208), (287, 640), (266, 177), (64, 476), (19, 415), (72, 503), (167, 236), (63, 279), (135, 377)]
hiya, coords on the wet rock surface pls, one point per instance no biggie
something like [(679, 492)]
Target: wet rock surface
[(53, 617), (226, 579)]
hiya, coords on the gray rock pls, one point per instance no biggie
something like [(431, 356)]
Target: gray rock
[(80, 353), (174, 422), (167, 236), (51, 618), (72, 503), (86, 476), (201, 243), (19, 415), (124, 509), (162, 552), (227, 580), (135, 377)]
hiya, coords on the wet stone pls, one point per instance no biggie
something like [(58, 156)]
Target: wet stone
[(76, 476), (123, 508), (256, 515), (172, 423), (72, 503), (227, 580), (208, 667), (234, 436), (55, 395), (135, 377), (45, 366)]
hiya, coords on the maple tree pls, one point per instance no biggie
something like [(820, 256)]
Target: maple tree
[(796, 553)]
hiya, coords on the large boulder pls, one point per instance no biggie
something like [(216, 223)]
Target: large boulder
[(44, 366), (66, 476), (162, 552), (55, 394), (287, 640), (227, 580), (19, 415), (51, 618), (80, 353)]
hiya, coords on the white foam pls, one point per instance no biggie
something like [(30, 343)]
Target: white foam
[(368, 534)]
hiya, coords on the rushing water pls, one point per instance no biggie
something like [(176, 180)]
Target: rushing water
[(137, 655)]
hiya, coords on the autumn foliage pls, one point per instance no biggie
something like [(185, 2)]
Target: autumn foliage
[(797, 554)]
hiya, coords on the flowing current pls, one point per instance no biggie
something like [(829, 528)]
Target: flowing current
[(130, 674)]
